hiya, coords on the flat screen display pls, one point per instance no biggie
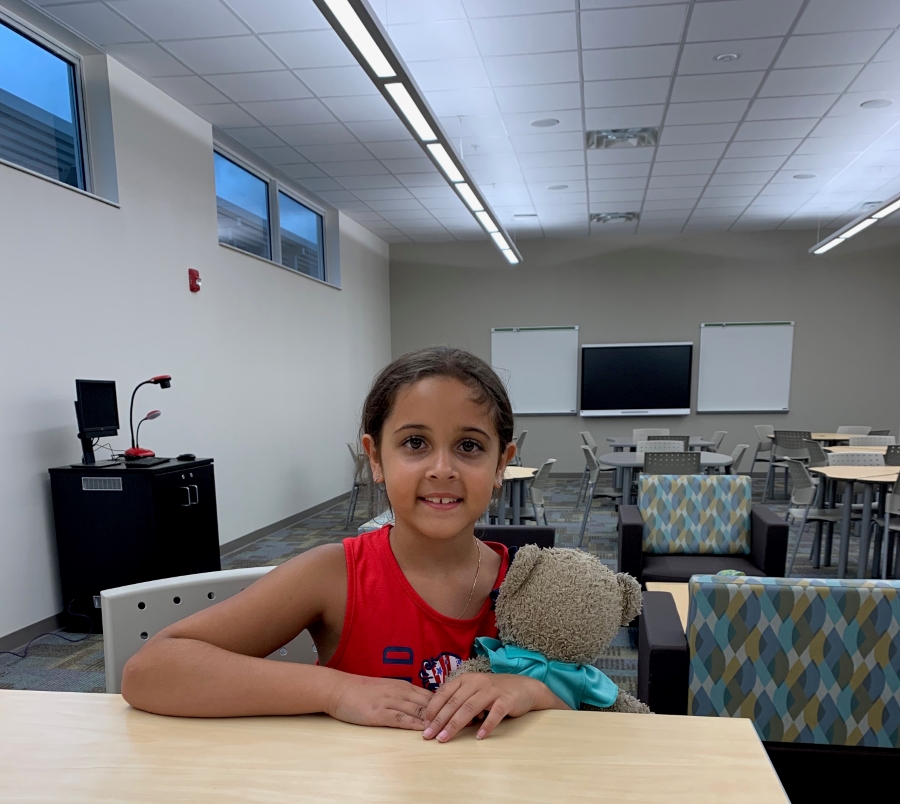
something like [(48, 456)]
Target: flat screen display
[(98, 411), (636, 379)]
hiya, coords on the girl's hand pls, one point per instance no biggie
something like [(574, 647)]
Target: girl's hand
[(462, 700), (380, 702)]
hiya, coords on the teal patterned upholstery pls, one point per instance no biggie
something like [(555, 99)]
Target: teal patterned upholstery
[(695, 514), (807, 660)]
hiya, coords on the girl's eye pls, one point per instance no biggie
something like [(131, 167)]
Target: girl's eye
[(415, 442), (470, 446)]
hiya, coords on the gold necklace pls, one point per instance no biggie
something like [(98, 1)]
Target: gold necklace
[(472, 592)]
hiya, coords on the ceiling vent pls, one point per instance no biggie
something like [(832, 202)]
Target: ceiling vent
[(614, 217), (622, 138)]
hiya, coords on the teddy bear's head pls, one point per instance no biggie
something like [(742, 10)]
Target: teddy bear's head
[(564, 604)]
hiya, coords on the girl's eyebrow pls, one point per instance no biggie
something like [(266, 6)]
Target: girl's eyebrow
[(426, 427)]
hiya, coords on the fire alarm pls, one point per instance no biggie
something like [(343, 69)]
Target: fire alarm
[(194, 280)]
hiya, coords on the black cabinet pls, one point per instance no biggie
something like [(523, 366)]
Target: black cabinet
[(117, 525)]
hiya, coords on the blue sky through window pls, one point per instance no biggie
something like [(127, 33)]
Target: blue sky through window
[(34, 74), (298, 220), (241, 188)]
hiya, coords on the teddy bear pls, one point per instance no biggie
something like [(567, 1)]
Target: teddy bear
[(557, 611)]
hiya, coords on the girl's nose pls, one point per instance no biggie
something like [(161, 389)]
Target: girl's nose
[(443, 465)]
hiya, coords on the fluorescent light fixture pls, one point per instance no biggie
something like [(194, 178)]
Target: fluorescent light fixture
[(859, 227), (360, 36), (510, 256), (443, 159), (410, 111), (468, 195), (487, 221), (500, 240), (888, 210), (829, 245)]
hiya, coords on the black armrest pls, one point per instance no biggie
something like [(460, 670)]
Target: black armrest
[(768, 540), (631, 537), (662, 676)]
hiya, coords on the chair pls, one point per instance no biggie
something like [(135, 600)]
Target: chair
[(764, 447), (519, 441), (855, 459), (817, 455), (588, 439), (686, 440), (672, 463), (890, 553), (517, 536), (668, 537), (593, 491), (360, 462), (785, 444), (644, 433), (133, 614), (879, 432), (737, 456), (853, 429), (892, 456), (718, 437), (676, 445), (872, 441), (536, 489)]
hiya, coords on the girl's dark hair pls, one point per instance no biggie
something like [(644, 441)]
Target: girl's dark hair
[(438, 361)]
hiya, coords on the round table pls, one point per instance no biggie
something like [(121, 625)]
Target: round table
[(618, 443), (628, 461), (515, 476)]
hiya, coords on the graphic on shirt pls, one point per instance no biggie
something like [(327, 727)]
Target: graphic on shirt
[(435, 672)]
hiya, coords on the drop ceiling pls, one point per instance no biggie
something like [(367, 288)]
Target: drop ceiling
[(777, 138)]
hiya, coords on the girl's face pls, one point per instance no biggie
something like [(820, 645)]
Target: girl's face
[(440, 457)]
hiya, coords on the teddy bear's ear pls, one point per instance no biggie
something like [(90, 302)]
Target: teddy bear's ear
[(526, 559), (631, 597)]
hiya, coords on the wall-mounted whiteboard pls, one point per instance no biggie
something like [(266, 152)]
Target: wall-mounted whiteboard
[(745, 366), (539, 366)]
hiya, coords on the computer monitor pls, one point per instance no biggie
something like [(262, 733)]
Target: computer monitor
[(97, 412)]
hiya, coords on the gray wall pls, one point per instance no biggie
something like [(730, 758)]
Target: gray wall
[(845, 306)]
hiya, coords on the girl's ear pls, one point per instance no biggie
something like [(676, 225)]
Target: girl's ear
[(368, 444), (506, 456)]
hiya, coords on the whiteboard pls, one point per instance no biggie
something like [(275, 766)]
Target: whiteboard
[(539, 366), (745, 366)]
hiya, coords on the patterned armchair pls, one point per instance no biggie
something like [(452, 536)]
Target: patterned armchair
[(686, 525), (814, 663)]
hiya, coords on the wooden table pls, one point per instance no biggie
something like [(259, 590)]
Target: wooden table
[(79, 748), (679, 591), (837, 450), (827, 436), (515, 476)]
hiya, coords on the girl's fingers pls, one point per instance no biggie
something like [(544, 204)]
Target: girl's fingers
[(452, 718), (440, 698), (498, 711), (402, 720)]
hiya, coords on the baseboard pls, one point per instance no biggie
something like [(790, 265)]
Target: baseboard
[(24, 635), (242, 541)]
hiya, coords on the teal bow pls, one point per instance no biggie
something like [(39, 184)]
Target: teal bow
[(574, 684)]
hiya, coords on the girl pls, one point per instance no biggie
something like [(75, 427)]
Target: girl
[(392, 612)]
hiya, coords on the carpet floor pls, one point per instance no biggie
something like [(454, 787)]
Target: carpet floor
[(52, 663)]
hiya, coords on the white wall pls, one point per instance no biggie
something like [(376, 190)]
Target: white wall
[(269, 368)]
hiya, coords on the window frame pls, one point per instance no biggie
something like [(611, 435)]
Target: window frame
[(275, 186), (75, 60)]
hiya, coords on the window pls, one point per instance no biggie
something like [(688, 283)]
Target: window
[(242, 204), (301, 237), (39, 124)]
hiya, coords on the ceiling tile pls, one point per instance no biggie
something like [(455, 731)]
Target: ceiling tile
[(400, 149), (732, 191), (815, 161), (322, 184), (808, 80), (310, 49), (790, 107), (629, 27), (849, 104), (824, 145), (190, 90), (619, 156), (97, 23), (408, 164), (337, 196), (462, 102), (483, 125), (305, 171), (679, 153), (513, 100), (763, 148), (624, 117), (289, 112), (425, 194), (820, 50), (379, 130), (686, 168), (329, 82), (337, 152), (241, 87), (628, 170), (361, 108), (686, 135), (634, 183), (554, 174), (425, 41), (383, 194), (551, 159), (476, 146), (425, 179), (692, 180), (628, 92), (878, 76), (741, 19), (670, 193), (537, 68), (230, 54), (562, 141), (754, 163), (526, 34), (148, 59), (775, 129), (256, 137), (369, 182), (224, 115), (706, 112), (280, 155), (622, 196), (629, 62), (755, 178), (449, 74), (728, 86), (834, 16), (314, 134), (269, 16), (569, 120), (368, 168), (403, 11), (672, 203), (755, 54), (175, 19), (891, 50)]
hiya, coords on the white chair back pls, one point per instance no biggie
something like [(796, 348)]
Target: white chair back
[(853, 429), (133, 614), (855, 459), (519, 440), (737, 456), (589, 440), (660, 446), (872, 441), (641, 435), (717, 439), (763, 431), (539, 483)]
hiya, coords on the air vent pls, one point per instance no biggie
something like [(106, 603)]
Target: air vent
[(622, 138), (101, 484), (614, 217)]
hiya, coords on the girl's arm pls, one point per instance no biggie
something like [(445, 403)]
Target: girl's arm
[(211, 664)]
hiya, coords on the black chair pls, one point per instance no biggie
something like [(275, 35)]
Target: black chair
[(517, 536), (671, 463)]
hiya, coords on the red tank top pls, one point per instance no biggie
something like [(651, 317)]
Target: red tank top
[(391, 632)]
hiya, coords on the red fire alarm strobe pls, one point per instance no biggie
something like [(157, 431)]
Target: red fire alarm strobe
[(194, 280)]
